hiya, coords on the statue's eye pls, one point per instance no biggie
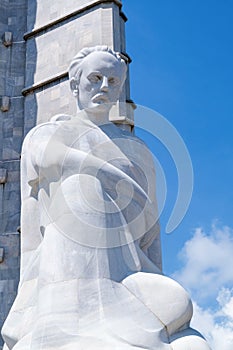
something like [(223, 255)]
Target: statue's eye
[(113, 81), (98, 77), (94, 78)]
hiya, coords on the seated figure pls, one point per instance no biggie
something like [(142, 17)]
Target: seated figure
[(90, 250)]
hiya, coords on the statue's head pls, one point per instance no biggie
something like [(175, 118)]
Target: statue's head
[(97, 75)]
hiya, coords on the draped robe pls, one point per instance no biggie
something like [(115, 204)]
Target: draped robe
[(90, 244)]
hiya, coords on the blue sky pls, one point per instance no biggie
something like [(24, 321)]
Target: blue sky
[(182, 67)]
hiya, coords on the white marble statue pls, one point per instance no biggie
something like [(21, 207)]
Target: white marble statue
[(91, 267)]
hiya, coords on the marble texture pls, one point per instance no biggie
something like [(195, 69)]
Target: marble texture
[(90, 23), (48, 12), (89, 218)]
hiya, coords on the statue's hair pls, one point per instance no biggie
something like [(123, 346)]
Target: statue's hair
[(75, 69)]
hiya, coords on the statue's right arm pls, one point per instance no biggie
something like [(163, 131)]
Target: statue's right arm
[(47, 151), (38, 147)]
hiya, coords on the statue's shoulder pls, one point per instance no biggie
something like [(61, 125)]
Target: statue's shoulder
[(47, 128), (42, 133)]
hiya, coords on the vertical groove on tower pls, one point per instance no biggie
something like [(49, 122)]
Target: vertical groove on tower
[(12, 74)]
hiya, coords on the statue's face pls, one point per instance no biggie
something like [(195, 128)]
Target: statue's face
[(100, 81)]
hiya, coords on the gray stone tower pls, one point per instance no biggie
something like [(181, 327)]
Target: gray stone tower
[(13, 24), (39, 39)]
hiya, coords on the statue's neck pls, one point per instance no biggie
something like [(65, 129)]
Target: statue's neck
[(95, 117)]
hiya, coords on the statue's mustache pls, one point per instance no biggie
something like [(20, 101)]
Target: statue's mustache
[(100, 97)]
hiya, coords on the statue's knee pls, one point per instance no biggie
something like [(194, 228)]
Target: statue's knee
[(164, 297)]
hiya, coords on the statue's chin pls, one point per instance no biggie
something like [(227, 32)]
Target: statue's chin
[(98, 112)]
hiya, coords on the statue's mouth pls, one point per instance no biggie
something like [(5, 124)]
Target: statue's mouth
[(100, 98)]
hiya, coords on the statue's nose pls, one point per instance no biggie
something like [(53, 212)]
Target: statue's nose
[(104, 85)]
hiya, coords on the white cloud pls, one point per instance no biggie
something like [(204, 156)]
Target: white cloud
[(208, 262), (207, 273), (216, 326)]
